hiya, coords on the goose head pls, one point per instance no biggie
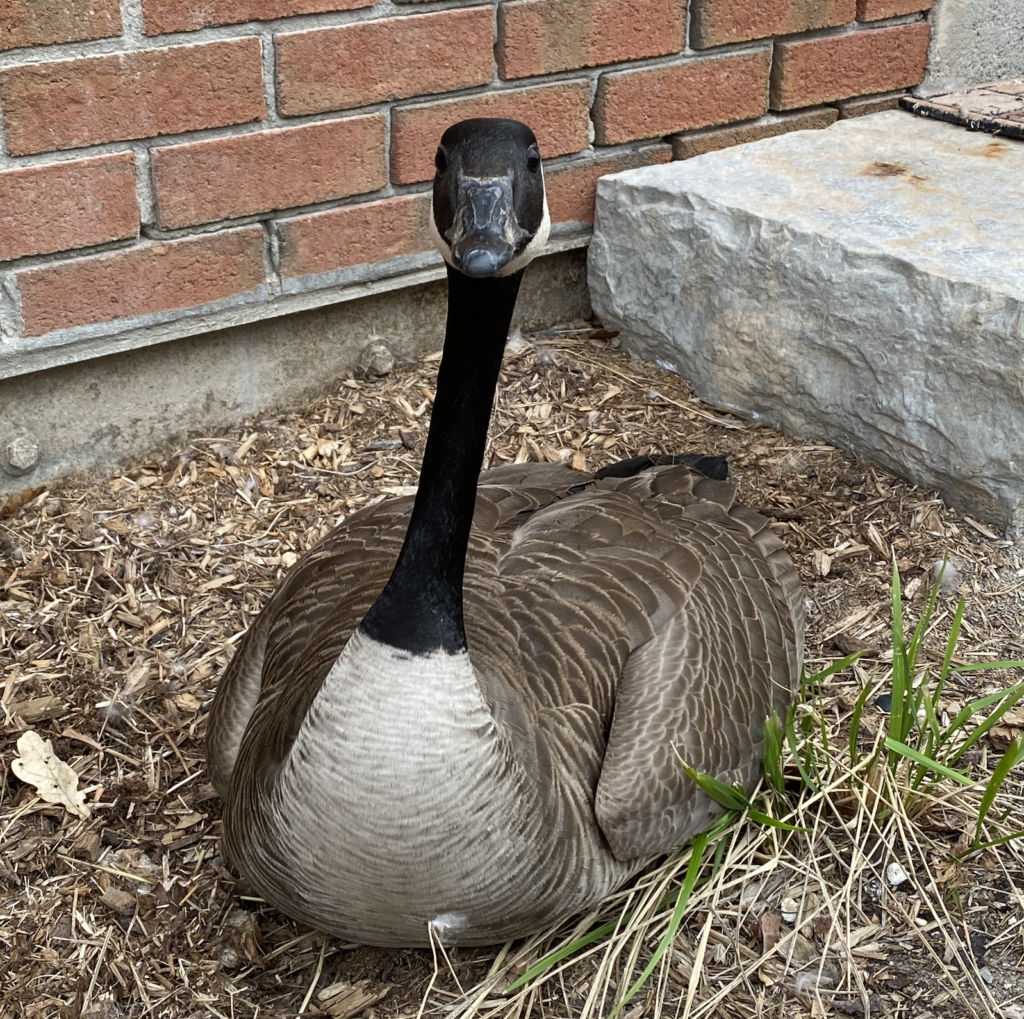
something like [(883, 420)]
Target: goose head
[(489, 215)]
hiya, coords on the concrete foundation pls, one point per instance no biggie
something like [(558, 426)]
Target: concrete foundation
[(974, 41), (95, 413)]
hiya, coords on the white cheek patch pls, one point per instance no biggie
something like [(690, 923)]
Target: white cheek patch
[(534, 248)]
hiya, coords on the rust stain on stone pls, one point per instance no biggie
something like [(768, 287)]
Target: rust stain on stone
[(879, 169), (995, 150)]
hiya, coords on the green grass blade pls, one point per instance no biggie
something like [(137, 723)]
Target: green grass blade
[(1012, 757), (772, 822), (725, 821), (858, 710), (921, 630), (1009, 698), (991, 844), (720, 847), (830, 670), (954, 636), (689, 883), (900, 679), (901, 749), (553, 958), (729, 796), (773, 754), (933, 737), (822, 730), (802, 763), (931, 702), (1006, 663)]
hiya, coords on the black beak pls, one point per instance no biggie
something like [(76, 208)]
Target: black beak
[(485, 234)]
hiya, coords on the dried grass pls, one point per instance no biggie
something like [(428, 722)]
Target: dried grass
[(120, 599)]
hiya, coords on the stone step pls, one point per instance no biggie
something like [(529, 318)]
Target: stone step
[(863, 285)]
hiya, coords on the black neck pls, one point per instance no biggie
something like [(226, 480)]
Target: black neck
[(420, 608)]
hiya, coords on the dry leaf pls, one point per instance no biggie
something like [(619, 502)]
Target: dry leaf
[(55, 781), (1009, 728), (848, 645), (187, 702)]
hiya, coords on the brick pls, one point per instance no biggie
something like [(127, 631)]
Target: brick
[(869, 104), (873, 10), (247, 174), (143, 280), (557, 114), (572, 187), (354, 234), (545, 36), (384, 59), (810, 71), (712, 139), (44, 22), (67, 205), (718, 22), (65, 104), (174, 16), (657, 101)]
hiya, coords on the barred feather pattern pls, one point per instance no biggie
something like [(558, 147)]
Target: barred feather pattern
[(615, 627)]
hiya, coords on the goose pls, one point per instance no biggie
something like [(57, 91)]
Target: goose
[(461, 715)]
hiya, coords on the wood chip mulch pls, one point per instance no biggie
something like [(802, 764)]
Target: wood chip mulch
[(121, 599)]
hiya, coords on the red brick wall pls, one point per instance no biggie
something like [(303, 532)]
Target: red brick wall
[(187, 155)]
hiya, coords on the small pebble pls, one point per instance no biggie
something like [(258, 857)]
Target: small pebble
[(377, 358), (790, 908), (895, 874), (986, 974)]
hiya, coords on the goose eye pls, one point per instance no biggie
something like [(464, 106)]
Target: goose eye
[(441, 161), (533, 161)]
